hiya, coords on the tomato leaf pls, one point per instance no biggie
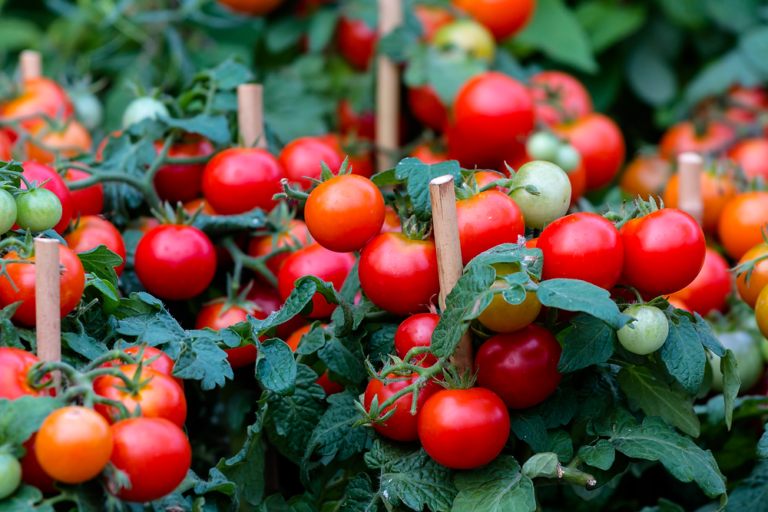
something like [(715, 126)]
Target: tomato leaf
[(590, 342), (312, 341), (219, 225), (385, 178), (246, 468), (228, 75), (321, 29), (100, 262), (576, 295), (530, 259), (543, 465), (344, 356), (144, 319), (707, 337), (601, 455), (684, 355), (24, 499), (22, 417), (750, 494), (598, 394), (529, 427), (731, 384), (9, 334), (559, 442), (83, 344), (496, 487), (447, 72), (762, 446), (203, 360), (381, 343), (559, 408), (276, 367), (360, 495), (419, 175)]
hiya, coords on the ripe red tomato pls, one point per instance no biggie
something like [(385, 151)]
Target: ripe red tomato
[(268, 300), (391, 221), (398, 274), (427, 107), (343, 213), (192, 206), (303, 156), (582, 246), (253, 7), (416, 331), (746, 102), (429, 154), (431, 19), (716, 191), (486, 220), (316, 260), (491, 113), (740, 223), (402, 426), (474, 419), (601, 145), (295, 236), (74, 444), (684, 137), (710, 289), (502, 17), (40, 96), (521, 366), (237, 180), (154, 454), (23, 275), (176, 183), (646, 176), (361, 124), (175, 262), (483, 178), (565, 91), (357, 42), (71, 141), (215, 317), (88, 201), (15, 364), (34, 171), (160, 397), (663, 251), (93, 231), (32, 472), (752, 156), (162, 364)]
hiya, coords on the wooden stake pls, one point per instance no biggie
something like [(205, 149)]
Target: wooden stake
[(250, 115), (387, 89), (30, 64), (449, 263), (47, 301), (689, 166)]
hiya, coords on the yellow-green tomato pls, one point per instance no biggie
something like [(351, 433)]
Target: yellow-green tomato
[(649, 333), (469, 37), (554, 193), (501, 316), (748, 358), (10, 474)]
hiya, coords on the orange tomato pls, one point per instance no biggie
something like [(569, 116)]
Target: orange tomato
[(193, 205), (752, 156), (429, 153), (646, 176), (40, 96), (6, 145), (72, 140), (502, 17), (716, 191), (741, 221), (684, 137), (748, 291), (391, 221)]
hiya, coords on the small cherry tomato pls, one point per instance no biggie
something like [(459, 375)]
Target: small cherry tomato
[(687, 136), (502, 17), (467, 37), (93, 231), (302, 159), (416, 331), (34, 171), (144, 107), (648, 333), (88, 201), (752, 156), (295, 237), (749, 360), (39, 96), (745, 102), (554, 196), (429, 154), (361, 124), (709, 291), (741, 222), (486, 220), (37, 210), (402, 426), (501, 316), (646, 176), (73, 139), (749, 290), (559, 97), (356, 42), (16, 364), (716, 192), (427, 107), (10, 474), (214, 316), (174, 182)]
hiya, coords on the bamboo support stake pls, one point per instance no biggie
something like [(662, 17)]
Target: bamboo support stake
[(689, 166), (450, 267), (30, 64), (387, 89), (47, 301), (250, 115)]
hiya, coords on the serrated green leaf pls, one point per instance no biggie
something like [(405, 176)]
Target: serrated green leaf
[(576, 295), (212, 127), (22, 417), (246, 468), (607, 24), (419, 175), (381, 343), (230, 74), (203, 360), (344, 357), (143, 318), (83, 344), (684, 356), (591, 341), (529, 427), (496, 487), (101, 262), (707, 337), (559, 442), (360, 496), (276, 367), (601, 455), (750, 494), (543, 465), (731, 384), (25, 499), (559, 408)]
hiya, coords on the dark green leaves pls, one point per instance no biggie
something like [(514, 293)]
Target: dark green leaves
[(203, 360), (684, 355), (575, 295), (601, 455), (529, 427), (101, 262), (750, 494), (344, 356), (731, 384), (495, 487), (590, 342), (22, 417), (213, 128), (276, 367), (246, 468), (762, 446), (218, 225)]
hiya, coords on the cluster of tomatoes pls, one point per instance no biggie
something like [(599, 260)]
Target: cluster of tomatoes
[(75, 443)]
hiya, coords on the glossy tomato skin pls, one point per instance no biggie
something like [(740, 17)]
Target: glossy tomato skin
[(93, 231), (161, 397), (741, 221), (362, 125), (683, 137), (520, 367), (486, 220), (161, 364), (709, 291), (74, 444), (262, 245), (427, 107), (663, 251), (416, 331), (491, 113), (88, 201), (357, 42), (74, 139), (32, 472), (237, 180), (315, 260), (154, 454), (211, 316), (303, 157), (749, 290), (483, 178), (503, 18), (343, 213), (23, 275), (646, 176), (15, 365), (402, 426), (582, 246), (601, 145), (176, 183), (399, 275), (752, 156), (391, 221), (475, 419), (570, 94), (39, 96), (716, 192), (175, 262), (34, 171)]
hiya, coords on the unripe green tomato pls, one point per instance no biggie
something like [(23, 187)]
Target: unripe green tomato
[(543, 146), (468, 36), (650, 330), (748, 358), (554, 193), (567, 157), (88, 108), (38, 210), (10, 475), (7, 211), (143, 108)]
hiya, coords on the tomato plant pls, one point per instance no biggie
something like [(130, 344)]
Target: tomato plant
[(93, 231), (554, 193), (218, 315), (178, 182), (302, 159), (15, 364), (416, 331), (647, 333), (402, 425), (34, 171)]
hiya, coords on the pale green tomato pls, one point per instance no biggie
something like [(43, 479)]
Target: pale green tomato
[(748, 358), (88, 108), (650, 330), (554, 193), (7, 211), (143, 108), (542, 146), (469, 37), (567, 158), (10, 474), (38, 210)]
